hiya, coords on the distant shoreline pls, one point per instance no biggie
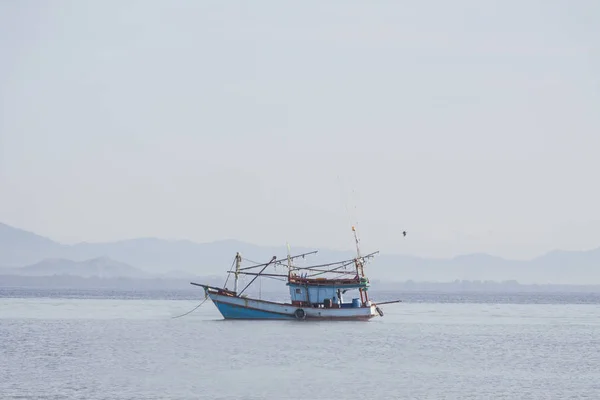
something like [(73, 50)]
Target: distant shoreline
[(67, 282), (407, 297)]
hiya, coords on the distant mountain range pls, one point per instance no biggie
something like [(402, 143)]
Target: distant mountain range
[(101, 267), (19, 248), (24, 253)]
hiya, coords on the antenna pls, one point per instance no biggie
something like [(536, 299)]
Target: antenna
[(356, 241)]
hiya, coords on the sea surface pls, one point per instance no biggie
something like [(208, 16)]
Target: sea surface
[(127, 345)]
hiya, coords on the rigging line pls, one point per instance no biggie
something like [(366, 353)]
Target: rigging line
[(225, 284), (279, 260), (325, 265), (261, 271), (283, 259), (279, 277), (350, 261), (315, 272), (274, 263), (325, 272), (257, 263), (345, 272), (338, 268), (332, 271), (253, 262), (276, 278), (321, 273), (194, 309), (317, 267), (254, 273)]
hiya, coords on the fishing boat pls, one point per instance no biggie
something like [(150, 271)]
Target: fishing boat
[(317, 292)]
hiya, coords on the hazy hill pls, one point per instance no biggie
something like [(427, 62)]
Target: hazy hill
[(101, 267), (150, 254), (156, 256), (19, 247)]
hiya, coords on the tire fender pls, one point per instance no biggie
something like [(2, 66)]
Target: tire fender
[(300, 313)]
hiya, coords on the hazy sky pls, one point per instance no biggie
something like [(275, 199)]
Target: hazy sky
[(473, 125)]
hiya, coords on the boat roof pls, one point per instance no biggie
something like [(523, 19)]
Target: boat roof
[(295, 280)]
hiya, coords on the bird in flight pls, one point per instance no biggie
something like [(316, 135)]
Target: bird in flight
[(404, 233)]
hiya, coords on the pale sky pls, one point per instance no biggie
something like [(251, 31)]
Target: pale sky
[(473, 125)]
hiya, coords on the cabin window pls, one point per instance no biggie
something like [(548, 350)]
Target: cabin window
[(298, 291)]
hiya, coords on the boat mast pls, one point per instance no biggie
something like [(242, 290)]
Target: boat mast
[(360, 270), (359, 264), (238, 263), (289, 261)]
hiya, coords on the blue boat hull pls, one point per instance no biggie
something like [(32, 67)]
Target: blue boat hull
[(231, 311), (233, 307)]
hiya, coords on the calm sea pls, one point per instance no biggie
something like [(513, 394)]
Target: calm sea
[(126, 345)]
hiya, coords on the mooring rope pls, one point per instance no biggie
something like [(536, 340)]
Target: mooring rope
[(194, 309)]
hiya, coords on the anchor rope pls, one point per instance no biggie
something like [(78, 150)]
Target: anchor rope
[(195, 308)]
